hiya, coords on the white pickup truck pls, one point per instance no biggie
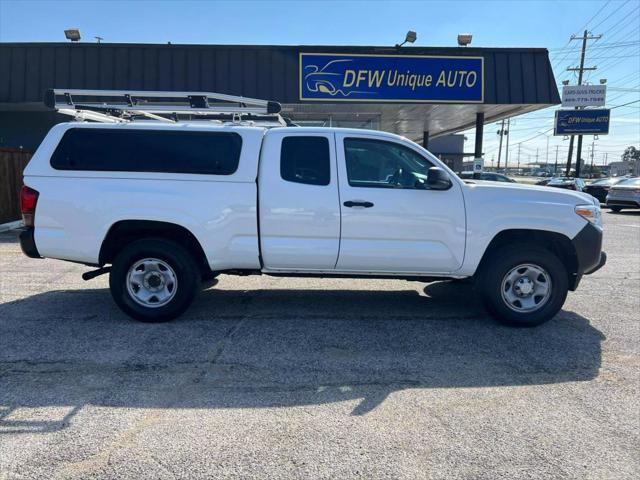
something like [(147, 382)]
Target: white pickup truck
[(164, 206)]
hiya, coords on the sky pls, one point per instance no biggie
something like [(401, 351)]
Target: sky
[(547, 24)]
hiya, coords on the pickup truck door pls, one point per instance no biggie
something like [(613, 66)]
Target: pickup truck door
[(390, 221), (299, 208)]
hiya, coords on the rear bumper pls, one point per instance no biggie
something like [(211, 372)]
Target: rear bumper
[(589, 254), (28, 243)]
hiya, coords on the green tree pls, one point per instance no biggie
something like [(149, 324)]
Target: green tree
[(631, 154)]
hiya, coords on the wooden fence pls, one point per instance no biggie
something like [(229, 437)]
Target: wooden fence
[(12, 163)]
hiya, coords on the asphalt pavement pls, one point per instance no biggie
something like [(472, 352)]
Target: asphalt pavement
[(308, 378)]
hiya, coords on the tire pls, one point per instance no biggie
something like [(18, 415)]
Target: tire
[(507, 275), (154, 280), (616, 209)]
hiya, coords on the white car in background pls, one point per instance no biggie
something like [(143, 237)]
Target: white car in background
[(625, 194)]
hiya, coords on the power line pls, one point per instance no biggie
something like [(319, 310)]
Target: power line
[(628, 20), (584, 26), (625, 104), (610, 15), (601, 46)]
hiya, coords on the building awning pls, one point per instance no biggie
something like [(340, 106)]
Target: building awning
[(515, 80)]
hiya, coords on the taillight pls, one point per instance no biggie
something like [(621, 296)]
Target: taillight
[(28, 201)]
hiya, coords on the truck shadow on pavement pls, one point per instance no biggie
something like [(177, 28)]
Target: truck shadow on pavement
[(270, 348)]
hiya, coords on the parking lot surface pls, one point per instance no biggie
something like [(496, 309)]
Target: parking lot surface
[(280, 378)]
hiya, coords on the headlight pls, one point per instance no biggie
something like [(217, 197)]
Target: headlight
[(590, 213)]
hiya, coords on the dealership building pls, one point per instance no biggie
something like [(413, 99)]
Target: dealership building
[(423, 93)]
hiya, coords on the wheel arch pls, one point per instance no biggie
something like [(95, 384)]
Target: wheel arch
[(124, 232), (557, 243)]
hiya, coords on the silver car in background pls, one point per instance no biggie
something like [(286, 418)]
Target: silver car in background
[(625, 194)]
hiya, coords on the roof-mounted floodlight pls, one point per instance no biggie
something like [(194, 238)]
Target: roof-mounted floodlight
[(410, 38), (72, 34), (464, 39), (565, 82), (603, 81)]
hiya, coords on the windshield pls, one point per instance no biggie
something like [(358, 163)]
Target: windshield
[(630, 181)]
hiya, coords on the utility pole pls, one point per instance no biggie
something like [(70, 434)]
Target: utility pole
[(518, 156), (593, 146), (500, 132), (555, 167), (506, 155), (581, 69), (537, 157), (547, 157)]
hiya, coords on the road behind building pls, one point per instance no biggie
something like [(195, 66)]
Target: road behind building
[(280, 378)]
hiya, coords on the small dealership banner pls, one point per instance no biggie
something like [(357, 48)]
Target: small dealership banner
[(582, 122), (584, 95), (391, 78)]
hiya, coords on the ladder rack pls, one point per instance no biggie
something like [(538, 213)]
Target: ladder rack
[(116, 106)]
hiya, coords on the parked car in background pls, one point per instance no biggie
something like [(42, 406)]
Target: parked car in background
[(488, 176), (543, 182), (625, 194), (568, 183), (600, 188)]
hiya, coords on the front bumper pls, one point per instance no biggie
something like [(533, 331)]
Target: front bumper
[(28, 243), (589, 254)]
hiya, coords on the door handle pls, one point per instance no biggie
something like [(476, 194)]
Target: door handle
[(356, 203)]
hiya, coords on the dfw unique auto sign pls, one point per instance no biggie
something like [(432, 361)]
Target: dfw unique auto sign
[(582, 122), (391, 78)]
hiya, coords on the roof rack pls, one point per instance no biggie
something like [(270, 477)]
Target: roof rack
[(114, 106)]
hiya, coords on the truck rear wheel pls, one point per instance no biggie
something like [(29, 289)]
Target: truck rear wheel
[(154, 280), (524, 286)]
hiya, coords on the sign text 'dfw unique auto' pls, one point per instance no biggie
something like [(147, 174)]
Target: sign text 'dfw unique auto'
[(391, 78), (582, 122), (584, 95)]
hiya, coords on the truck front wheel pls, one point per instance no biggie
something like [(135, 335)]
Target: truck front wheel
[(524, 286), (154, 280)]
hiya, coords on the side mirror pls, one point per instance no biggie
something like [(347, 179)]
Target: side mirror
[(437, 179)]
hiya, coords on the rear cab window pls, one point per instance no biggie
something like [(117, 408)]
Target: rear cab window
[(142, 150), (305, 159)]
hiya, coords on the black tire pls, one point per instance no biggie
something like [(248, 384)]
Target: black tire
[(501, 262), (616, 209), (177, 257)]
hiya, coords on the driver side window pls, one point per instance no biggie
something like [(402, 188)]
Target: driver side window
[(383, 164)]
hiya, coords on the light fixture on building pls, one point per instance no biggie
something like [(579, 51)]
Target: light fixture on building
[(464, 39), (411, 37), (99, 39), (603, 81), (72, 34), (565, 82)]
